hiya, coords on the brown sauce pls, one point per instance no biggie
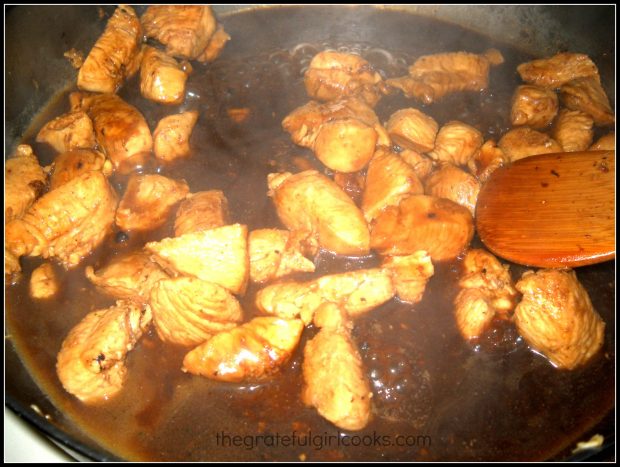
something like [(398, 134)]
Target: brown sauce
[(491, 400)]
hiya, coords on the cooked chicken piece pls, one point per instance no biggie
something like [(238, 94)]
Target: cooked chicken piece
[(44, 282), (91, 361), (66, 223), (454, 184), (148, 200), (162, 79), (525, 142), (439, 226), (334, 75), (276, 253), (253, 351), (352, 184), (357, 292), (171, 136), (606, 143), (73, 130), (185, 30), (389, 179), (112, 58), (201, 211), (24, 182), (345, 145), (556, 317), (71, 164), (215, 46), (456, 142), (473, 313), (218, 255), (533, 106), (188, 311), (330, 316), (120, 128), (334, 379), (412, 129), (587, 95), (131, 276), (12, 268), (573, 130), (433, 76), (410, 274), (311, 202), (75, 57), (421, 164), (553, 72), (488, 158)]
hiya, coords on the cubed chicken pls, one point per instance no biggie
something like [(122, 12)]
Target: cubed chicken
[(587, 95), (573, 130), (311, 202), (73, 130), (253, 351), (456, 142), (486, 160), (162, 79), (553, 72), (473, 313), (335, 75), (215, 46), (218, 255), (148, 200), (171, 136), (188, 311), (533, 106), (557, 319), (115, 55), (91, 361), (201, 211), (412, 129), (130, 277), (605, 143), (24, 182), (421, 164), (44, 282), (439, 226), (389, 179), (410, 274), (454, 184), (525, 142), (66, 223), (72, 164), (345, 145)]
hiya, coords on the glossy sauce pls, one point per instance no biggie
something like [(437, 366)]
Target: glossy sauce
[(489, 400)]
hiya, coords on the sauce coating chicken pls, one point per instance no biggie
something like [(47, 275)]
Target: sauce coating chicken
[(162, 79), (439, 226), (188, 311), (66, 223), (454, 184), (553, 72), (311, 202), (24, 182), (130, 277), (587, 95), (215, 46), (91, 361), (456, 142), (421, 164), (73, 130), (148, 200), (171, 136), (253, 351), (410, 274), (335, 75), (72, 164), (486, 160), (116, 54), (201, 211), (412, 129), (573, 130), (533, 106), (525, 142), (44, 282), (557, 319)]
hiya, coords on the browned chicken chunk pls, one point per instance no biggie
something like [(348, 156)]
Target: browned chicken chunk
[(456, 142), (573, 130), (606, 143), (352, 184), (188, 311), (587, 95), (533, 106), (113, 57), (553, 72), (130, 277), (389, 179), (215, 46), (24, 182), (44, 282), (91, 361), (162, 79), (525, 142), (412, 129), (557, 319), (311, 202), (334, 75), (72, 164), (486, 160), (218, 255), (421, 164), (454, 184), (201, 211), (67, 223), (410, 274), (73, 130), (148, 200), (171, 136), (439, 226), (253, 351)]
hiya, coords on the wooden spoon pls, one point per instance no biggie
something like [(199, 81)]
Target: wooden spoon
[(552, 210)]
